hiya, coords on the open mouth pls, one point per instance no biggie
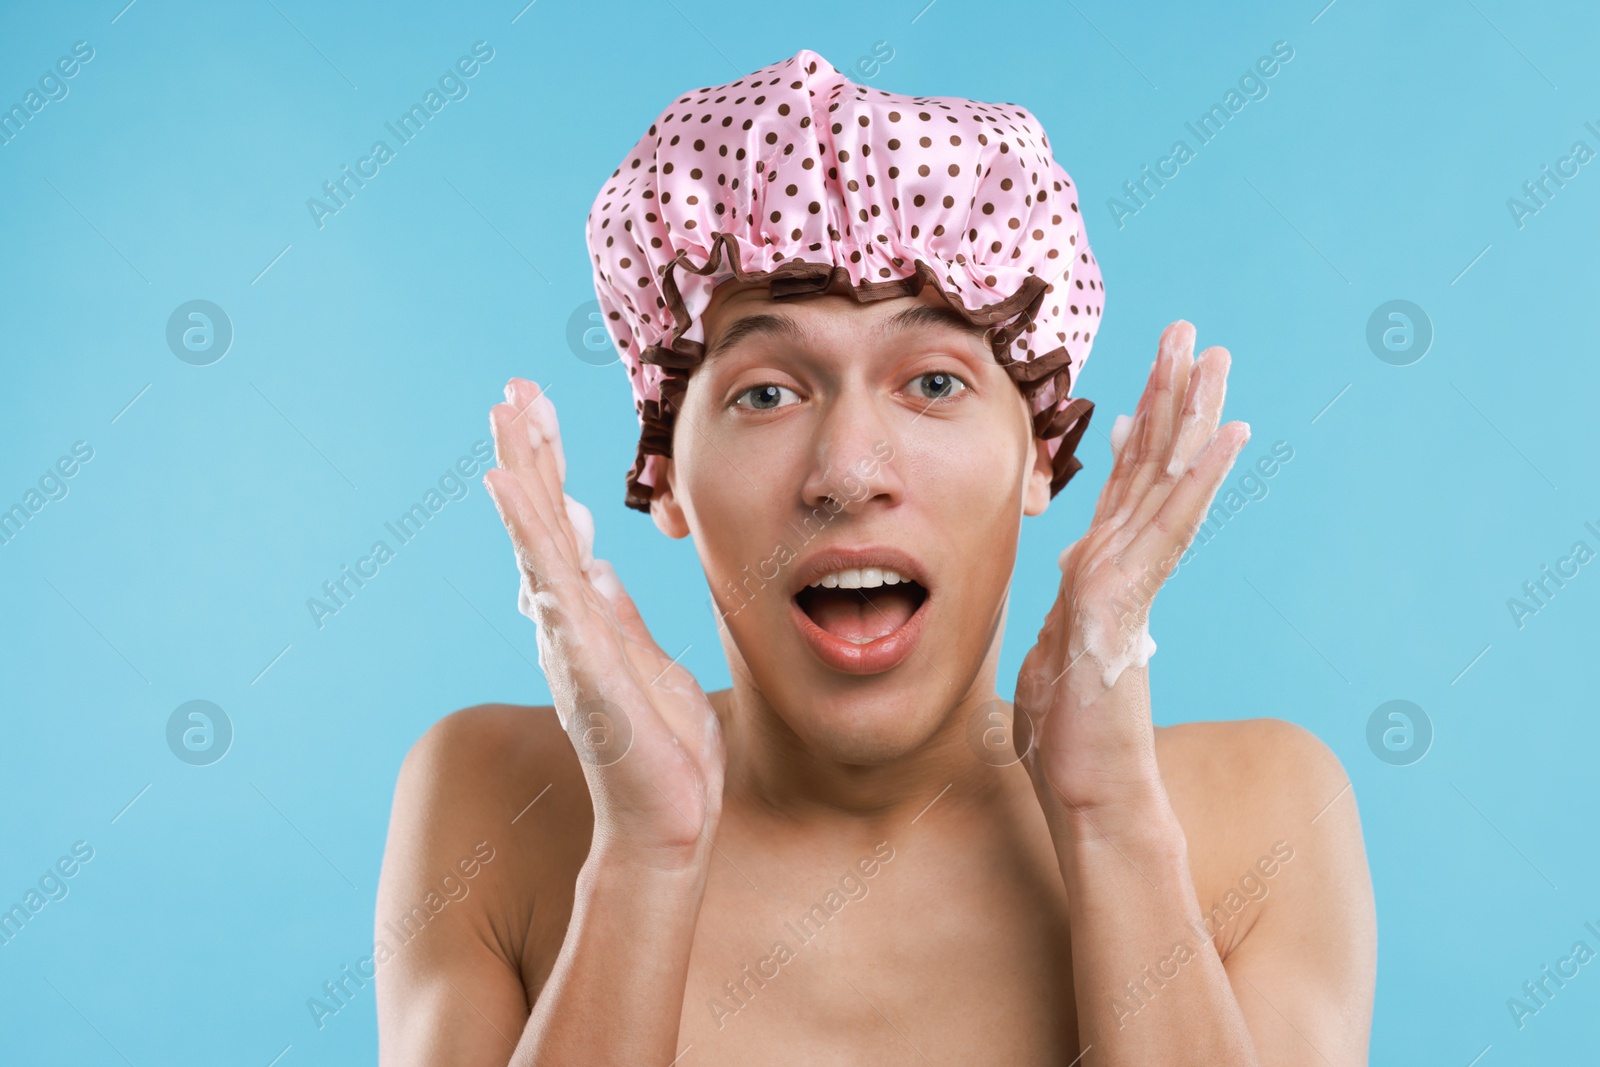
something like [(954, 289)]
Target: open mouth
[(860, 616)]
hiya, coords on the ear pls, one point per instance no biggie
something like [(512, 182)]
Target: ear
[(1036, 490), (664, 506)]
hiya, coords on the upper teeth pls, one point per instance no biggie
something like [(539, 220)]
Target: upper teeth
[(859, 578)]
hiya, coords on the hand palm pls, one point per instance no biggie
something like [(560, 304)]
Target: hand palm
[(1167, 470), (647, 734)]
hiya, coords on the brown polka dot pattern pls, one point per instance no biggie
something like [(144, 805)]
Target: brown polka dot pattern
[(797, 176)]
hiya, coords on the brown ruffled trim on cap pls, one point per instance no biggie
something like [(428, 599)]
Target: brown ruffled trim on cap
[(679, 357)]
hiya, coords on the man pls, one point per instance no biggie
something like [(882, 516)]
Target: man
[(850, 855)]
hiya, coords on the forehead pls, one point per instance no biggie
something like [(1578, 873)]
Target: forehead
[(733, 301)]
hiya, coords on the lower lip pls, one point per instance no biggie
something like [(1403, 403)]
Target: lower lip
[(874, 657)]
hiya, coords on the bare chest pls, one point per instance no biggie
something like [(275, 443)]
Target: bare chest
[(893, 956)]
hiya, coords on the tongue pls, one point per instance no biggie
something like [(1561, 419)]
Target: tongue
[(859, 615)]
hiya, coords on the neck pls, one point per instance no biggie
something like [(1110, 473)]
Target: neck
[(773, 769)]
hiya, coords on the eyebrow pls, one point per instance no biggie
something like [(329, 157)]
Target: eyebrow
[(772, 325)]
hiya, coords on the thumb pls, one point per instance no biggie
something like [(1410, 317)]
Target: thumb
[(605, 580)]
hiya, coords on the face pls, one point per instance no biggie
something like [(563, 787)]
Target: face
[(822, 436)]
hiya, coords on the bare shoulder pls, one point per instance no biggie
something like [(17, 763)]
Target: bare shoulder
[(489, 826), (1248, 771), (1258, 795), (1280, 870), (1279, 863), (486, 757)]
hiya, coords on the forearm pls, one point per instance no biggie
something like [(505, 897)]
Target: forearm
[(615, 994), (1148, 983)]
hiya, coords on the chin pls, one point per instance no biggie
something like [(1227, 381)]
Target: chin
[(863, 730)]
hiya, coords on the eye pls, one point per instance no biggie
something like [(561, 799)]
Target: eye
[(767, 397), (943, 384)]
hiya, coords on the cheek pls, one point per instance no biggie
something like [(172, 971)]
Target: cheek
[(973, 472), (731, 510)]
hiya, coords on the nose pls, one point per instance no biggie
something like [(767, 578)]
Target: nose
[(853, 455)]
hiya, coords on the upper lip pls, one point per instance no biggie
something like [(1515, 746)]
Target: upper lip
[(839, 558)]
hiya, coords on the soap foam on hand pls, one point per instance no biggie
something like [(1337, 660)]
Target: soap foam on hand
[(605, 580), (1119, 432), (1112, 652), (544, 429), (1187, 448), (582, 525)]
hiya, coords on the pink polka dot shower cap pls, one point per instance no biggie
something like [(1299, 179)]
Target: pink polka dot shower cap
[(796, 176)]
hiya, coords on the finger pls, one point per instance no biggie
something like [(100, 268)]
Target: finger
[(513, 455), (530, 424), (627, 614), (539, 414), (576, 635), (514, 452), (1171, 530), (1176, 357), (543, 412), (1202, 412), (544, 435), (570, 632), (1202, 408), (1127, 453), (1120, 432), (581, 522), (1196, 412), (541, 555), (653, 666)]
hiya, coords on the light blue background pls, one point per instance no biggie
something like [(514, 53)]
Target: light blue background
[(1378, 566)]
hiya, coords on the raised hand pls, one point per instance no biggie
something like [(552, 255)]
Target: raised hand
[(648, 737), (1083, 686)]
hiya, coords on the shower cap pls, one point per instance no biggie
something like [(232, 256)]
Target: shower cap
[(797, 177)]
